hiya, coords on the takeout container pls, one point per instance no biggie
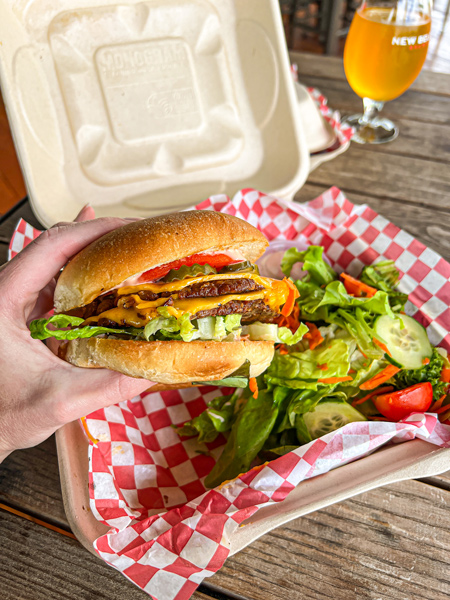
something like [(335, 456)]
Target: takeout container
[(390, 464), (147, 107)]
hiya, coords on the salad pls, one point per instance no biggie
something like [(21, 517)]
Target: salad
[(360, 358)]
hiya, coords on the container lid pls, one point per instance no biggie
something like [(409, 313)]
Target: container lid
[(147, 107)]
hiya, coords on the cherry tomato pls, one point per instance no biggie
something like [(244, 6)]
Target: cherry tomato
[(397, 405), (214, 260)]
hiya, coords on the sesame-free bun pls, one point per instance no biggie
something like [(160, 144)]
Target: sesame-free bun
[(143, 245), (172, 363)]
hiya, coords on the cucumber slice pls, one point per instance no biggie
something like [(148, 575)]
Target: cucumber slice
[(329, 416), (406, 340)]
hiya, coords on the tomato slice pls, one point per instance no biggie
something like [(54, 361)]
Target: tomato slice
[(214, 260), (397, 405)]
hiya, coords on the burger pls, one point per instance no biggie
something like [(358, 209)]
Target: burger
[(176, 299)]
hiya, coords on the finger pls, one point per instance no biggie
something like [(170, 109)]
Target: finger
[(43, 305), (87, 213), (34, 267), (92, 390)]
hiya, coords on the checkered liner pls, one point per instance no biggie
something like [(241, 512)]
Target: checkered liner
[(167, 532)]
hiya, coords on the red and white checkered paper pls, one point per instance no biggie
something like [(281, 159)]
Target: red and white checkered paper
[(167, 532)]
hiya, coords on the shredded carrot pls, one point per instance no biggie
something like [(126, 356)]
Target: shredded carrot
[(323, 367), (445, 375), (283, 350), (293, 294), (384, 390), (426, 361), (350, 371), (292, 321), (438, 403), (88, 433), (335, 379), (380, 378), (37, 521), (378, 419), (356, 287), (442, 409), (382, 346), (443, 418), (253, 385), (313, 336)]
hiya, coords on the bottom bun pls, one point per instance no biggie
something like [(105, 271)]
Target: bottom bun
[(171, 362)]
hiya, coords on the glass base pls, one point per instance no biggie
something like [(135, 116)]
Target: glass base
[(378, 130)]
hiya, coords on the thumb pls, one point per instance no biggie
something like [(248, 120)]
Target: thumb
[(93, 389)]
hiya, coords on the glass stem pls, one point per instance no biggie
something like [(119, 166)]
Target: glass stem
[(371, 110)]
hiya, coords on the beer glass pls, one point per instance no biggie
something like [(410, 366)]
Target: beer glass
[(385, 49)]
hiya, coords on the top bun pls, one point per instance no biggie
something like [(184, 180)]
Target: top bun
[(148, 243)]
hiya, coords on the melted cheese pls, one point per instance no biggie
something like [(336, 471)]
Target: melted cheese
[(274, 294), (173, 286)]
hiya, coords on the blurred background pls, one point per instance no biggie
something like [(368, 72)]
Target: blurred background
[(318, 26)]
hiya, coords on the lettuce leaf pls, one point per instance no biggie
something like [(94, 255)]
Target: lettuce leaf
[(430, 372), (250, 430), (217, 418), (318, 271), (39, 329)]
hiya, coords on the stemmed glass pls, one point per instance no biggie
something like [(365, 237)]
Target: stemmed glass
[(385, 50)]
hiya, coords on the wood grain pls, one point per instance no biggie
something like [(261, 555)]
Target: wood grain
[(29, 481), (386, 543), (412, 180), (38, 564), (333, 68)]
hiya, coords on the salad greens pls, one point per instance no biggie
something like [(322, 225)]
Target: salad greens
[(321, 381)]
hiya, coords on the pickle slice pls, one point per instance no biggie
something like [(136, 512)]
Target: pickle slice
[(243, 267), (185, 271)]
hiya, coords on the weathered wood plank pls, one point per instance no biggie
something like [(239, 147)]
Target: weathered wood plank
[(414, 105), (38, 564), (411, 180), (386, 543), (333, 68), (29, 481), (432, 227)]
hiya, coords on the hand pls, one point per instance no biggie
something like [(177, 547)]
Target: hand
[(38, 391)]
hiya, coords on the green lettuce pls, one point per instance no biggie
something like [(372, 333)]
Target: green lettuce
[(217, 418), (318, 271), (39, 329)]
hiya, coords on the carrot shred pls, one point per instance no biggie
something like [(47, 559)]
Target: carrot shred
[(381, 345), (292, 321), (293, 294), (350, 371), (88, 433), (380, 378), (323, 367), (253, 385), (283, 350), (445, 375), (335, 379), (384, 390), (438, 403), (443, 418), (442, 409), (313, 336), (426, 361), (357, 288), (378, 419)]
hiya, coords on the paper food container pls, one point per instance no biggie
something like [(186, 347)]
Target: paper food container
[(412, 460), (147, 107)]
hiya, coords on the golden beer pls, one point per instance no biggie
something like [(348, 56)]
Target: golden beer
[(382, 58)]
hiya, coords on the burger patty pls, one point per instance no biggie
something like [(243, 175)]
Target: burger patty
[(207, 289), (251, 310)]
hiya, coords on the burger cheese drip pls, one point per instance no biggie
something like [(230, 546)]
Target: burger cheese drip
[(260, 298)]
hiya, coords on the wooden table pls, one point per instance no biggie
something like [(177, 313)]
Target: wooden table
[(390, 543)]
